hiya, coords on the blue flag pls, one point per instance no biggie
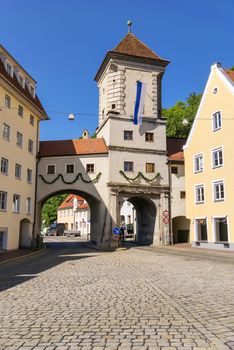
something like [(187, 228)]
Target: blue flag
[(139, 105)]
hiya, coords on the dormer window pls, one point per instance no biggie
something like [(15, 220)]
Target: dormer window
[(9, 68), (32, 90), (21, 80)]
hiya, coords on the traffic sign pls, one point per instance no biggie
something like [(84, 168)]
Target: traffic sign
[(115, 237), (165, 212), (116, 230), (166, 220)]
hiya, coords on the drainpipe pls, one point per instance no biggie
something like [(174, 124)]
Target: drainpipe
[(34, 242)]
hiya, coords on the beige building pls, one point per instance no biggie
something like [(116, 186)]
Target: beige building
[(208, 166), (75, 214), (20, 113)]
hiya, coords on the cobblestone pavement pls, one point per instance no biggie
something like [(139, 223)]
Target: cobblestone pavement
[(71, 298)]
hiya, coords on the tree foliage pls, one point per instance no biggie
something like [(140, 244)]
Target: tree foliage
[(49, 210), (180, 111)]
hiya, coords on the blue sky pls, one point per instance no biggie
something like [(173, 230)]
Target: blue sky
[(61, 43)]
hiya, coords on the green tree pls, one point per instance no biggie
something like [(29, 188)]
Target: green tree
[(49, 210), (180, 111)]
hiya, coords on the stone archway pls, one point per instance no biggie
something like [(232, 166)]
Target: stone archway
[(145, 219), (180, 229), (25, 234), (96, 212)]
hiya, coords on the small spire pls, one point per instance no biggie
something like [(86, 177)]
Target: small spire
[(129, 26)]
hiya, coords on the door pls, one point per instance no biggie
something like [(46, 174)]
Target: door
[(1, 239)]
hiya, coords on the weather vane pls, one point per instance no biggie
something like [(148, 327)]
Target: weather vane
[(129, 26)]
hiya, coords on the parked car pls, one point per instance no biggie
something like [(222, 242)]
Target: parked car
[(56, 229), (69, 233)]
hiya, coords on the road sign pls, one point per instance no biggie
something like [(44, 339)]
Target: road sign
[(166, 220), (165, 212), (116, 231), (115, 237)]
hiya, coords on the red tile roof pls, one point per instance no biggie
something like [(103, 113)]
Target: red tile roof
[(130, 45), (230, 73), (72, 147), (132, 49), (68, 202), (175, 148), (23, 91)]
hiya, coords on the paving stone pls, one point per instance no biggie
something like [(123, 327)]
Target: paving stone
[(126, 300)]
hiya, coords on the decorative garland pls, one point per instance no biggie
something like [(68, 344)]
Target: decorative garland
[(71, 182), (140, 175)]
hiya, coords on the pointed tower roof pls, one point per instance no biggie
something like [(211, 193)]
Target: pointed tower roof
[(132, 49), (130, 45)]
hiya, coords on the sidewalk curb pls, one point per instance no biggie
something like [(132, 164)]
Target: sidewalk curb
[(195, 251), (23, 256)]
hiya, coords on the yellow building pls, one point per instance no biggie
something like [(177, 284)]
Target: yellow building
[(20, 112), (209, 169)]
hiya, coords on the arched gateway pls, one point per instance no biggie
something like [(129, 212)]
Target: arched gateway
[(127, 160)]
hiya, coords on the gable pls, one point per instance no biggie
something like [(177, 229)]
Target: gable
[(211, 102)]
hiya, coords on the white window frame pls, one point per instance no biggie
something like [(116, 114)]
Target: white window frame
[(66, 164), (4, 208), (29, 181), (214, 235), (32, 87), (128, 161), (47, 165), (21, 116), (196, 156), (218, 182), (4, 166), (94, 167), (4, 135), (20, 171), (149, 133), (196, 230), (16, 205), (217, 149), (20, 145), (30, 142), (213, 120), (195, 193), (29, 205), (32, 118), (7, 62), (7, 102), (131, 133), (23, 80)]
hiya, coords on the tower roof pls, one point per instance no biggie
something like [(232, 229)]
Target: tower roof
[(132, 49), (130, 45)]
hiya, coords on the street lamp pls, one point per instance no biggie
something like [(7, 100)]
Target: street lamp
[(71, 117)]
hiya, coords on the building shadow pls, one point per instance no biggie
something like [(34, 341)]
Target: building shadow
[(28, 268)]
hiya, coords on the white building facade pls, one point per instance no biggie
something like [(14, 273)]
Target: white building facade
[(75, 214)]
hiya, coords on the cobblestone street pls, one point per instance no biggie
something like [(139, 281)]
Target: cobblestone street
[(72, 297)]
